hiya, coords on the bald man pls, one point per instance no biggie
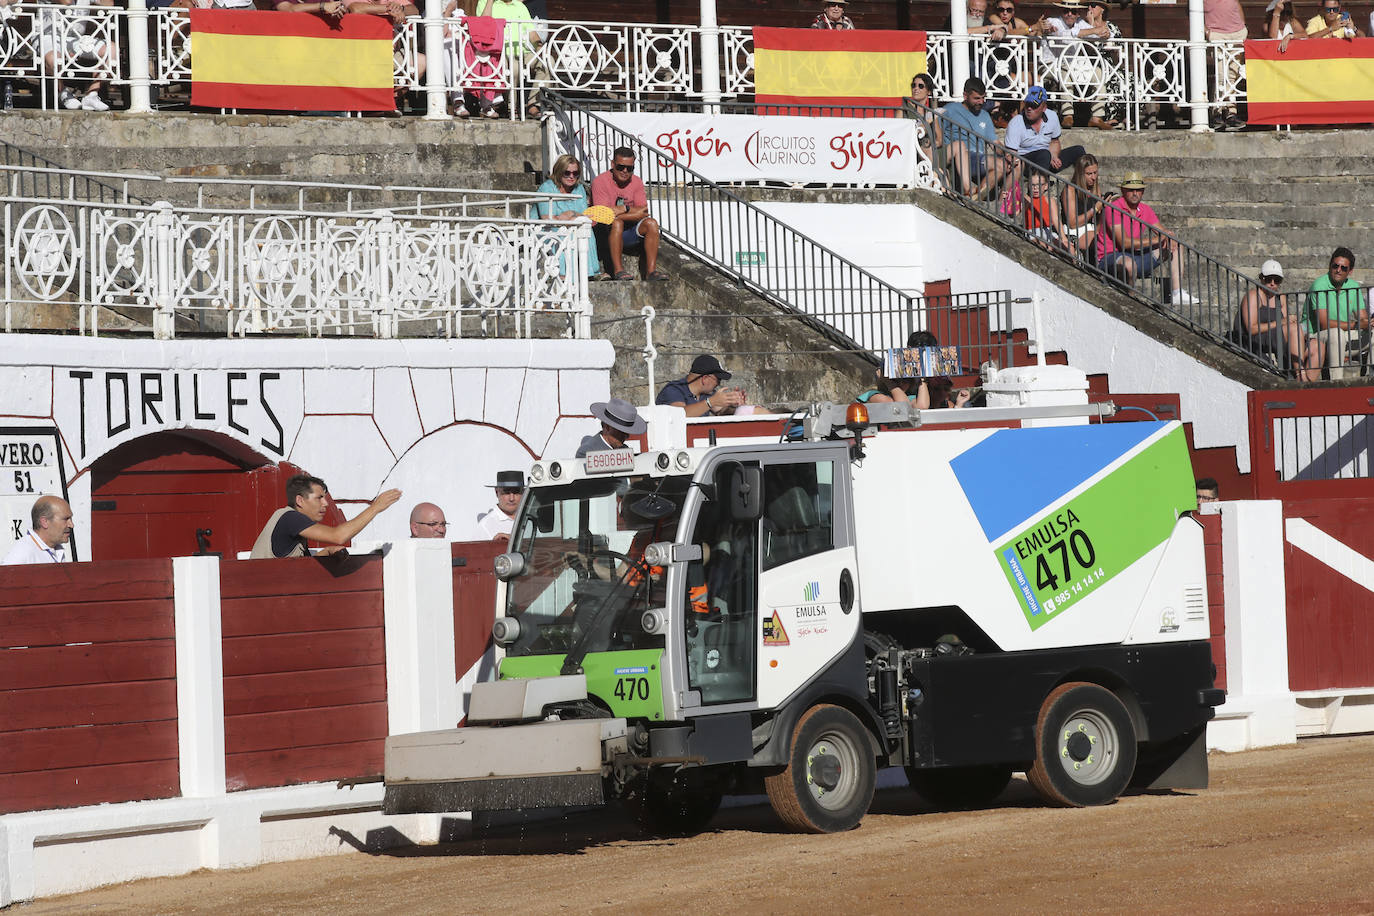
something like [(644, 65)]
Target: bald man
[(52, 527), (427, 521)]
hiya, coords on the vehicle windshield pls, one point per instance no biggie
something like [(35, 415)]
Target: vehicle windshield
[(585, 583)]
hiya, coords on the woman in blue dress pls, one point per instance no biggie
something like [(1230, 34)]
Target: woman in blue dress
[(566, 178)]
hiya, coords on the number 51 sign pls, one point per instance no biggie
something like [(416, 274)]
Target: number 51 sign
[(30, 465)]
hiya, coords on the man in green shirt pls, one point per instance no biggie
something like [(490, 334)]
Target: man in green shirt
[(1336, 315)]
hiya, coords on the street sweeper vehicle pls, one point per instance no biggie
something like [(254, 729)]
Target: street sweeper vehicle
[(788, 617)]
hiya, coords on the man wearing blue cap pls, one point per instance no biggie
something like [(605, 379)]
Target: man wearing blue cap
[(1034, 134)]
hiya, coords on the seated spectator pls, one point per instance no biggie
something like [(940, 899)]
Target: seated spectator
[(566, 179), (1336, 314), (70, 37), (1060, 34), (50, 520), (1103, 32), (1034, 134), (832, 16), (923, 97), (1011, 25), (332, 10), (307, 500), (1040, 211), (1131, 242), (427, 521), (1332, 22), (1280, 26), (1082, 207), (1264, 326), (631, 226), (696, 392), (887, 390), (619, 421), (971, 139), (976, 21)]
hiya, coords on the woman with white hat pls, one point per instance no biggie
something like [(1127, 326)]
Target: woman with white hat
[(1263, 325)]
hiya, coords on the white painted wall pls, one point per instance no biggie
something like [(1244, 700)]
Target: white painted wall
[(436, 418), (1095, 341)]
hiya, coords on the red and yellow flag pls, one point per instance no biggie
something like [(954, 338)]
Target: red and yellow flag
[(1323, 81), (290, 61), (822, 67)]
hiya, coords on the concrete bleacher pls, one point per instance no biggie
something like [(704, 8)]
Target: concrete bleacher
[(1242, 198)]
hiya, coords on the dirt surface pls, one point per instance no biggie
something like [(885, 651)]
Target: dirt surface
[(1280, 830)]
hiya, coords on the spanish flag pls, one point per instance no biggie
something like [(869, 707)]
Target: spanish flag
[(290, 61), (1323, 81), (831, 68)]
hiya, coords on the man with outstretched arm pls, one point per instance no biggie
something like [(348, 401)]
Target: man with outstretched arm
[(302, 520)]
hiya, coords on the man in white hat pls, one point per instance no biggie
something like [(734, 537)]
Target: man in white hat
[(1060, 31), (832, 16), (619, 421), (498, 521)]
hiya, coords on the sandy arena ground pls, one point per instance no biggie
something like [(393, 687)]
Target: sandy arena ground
[(1283, 830)]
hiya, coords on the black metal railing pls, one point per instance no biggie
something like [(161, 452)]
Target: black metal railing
[(847, 303), (40, 183), (1138, 258)]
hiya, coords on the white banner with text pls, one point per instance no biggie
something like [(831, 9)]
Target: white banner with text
[(750, 148)]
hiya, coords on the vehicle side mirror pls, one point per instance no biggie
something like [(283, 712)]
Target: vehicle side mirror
[(746, 493), (543, 518)]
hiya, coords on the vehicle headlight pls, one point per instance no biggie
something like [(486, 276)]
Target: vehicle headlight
[(508, 565), (659, 553), (654, 621), (505, 630)]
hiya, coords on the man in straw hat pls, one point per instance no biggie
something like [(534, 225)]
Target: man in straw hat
[(1131, 242), (619, 421)]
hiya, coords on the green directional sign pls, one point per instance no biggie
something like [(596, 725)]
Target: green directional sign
[(751, 258), (1067, 554)]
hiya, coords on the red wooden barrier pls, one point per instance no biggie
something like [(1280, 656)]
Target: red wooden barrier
[(87, 692), (1312, 443), (1216, 599), (304, 670), (474, 600), (1330, 617)]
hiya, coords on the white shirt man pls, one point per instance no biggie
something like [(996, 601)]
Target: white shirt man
[(499, 521), (43, 543)]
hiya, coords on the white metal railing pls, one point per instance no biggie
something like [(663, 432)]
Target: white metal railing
[(301, 269), (634, 61)]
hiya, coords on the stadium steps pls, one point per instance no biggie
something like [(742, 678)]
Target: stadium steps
[(1244, 197)]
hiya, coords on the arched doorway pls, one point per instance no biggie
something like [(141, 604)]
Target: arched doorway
[(149, 496)]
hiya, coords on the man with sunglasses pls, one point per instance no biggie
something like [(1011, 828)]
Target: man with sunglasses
[(832, 16), (1336, 316), (1332, 22), (631, 226), (1264, 326)]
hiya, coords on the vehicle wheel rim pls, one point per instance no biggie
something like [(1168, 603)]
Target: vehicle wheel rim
[(832, 768), (1087, 747)]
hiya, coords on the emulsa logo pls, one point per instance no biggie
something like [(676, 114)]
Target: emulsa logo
[(762, 149)]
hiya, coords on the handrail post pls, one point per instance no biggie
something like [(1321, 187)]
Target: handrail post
[(958, 47), (709, 36), (164, 315), (436, 105), (140, 99), (1197, 68), (650, 351)]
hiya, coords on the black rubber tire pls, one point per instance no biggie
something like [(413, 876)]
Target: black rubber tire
[(1085, 747), (830, 776), (957, 788), (674, 805)]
